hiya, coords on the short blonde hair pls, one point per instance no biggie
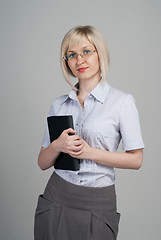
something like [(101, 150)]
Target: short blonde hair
[(75, 35)]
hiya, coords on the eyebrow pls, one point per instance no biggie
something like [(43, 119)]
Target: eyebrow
[(82, 48)]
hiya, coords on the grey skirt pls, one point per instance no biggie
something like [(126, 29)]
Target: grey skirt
[(70, 212)]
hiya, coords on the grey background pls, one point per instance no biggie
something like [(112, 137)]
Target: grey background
[(31, 33)]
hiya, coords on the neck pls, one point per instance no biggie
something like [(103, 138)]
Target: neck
[(85, 87)]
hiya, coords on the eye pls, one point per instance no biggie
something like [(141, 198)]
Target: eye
[(86, 52), (72, 55)]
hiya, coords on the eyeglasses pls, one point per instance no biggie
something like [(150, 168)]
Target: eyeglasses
[(85, 54)]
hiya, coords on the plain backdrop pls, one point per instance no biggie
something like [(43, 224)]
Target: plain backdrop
[(31, 32)]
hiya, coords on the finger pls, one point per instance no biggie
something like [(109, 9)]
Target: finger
[(78, 142), (75, 148), (78, 148), (75, 137), (76, 154), (69, 130)]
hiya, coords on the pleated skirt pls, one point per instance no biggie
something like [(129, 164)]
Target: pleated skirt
[(70, 212)]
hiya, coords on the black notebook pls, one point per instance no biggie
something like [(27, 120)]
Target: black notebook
[(56, 125)]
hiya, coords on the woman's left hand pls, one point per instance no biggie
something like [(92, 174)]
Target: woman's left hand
[(85, 152), (131, 159)]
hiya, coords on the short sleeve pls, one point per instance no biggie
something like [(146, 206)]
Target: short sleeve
[(130, 126), (46, 139)]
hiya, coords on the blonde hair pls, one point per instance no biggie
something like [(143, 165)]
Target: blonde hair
[(75, 35)]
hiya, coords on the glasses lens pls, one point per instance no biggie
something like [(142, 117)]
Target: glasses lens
[(86, 52)]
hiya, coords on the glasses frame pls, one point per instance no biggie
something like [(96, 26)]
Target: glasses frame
[(81, 54)]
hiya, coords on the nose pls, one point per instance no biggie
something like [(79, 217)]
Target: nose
[(80, 59)]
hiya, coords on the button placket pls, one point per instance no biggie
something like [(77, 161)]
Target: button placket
[(82, 115), (79, 120)]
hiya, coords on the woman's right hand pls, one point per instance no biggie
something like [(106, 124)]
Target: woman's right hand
[(69, 143)]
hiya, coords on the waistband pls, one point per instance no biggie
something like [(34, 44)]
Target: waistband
[(64, 193)]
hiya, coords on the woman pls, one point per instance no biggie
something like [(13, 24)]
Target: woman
[(82, 204)]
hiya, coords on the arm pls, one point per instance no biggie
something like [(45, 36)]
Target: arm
[(71, 144), (127, 160)]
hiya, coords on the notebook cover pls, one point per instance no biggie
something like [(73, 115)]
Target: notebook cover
[(56, 125)]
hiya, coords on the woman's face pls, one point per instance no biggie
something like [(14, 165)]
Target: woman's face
[(86, 66)]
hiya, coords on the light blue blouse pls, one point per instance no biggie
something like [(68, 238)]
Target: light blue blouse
[(109, 115)]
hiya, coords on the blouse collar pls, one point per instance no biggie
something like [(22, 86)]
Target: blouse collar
[(99, 92)]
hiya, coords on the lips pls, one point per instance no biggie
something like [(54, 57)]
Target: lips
[(82, 69)]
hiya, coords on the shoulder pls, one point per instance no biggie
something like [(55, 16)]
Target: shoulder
[(57, 102), (120, 96), (119, 93), (124, 101), (60, 99)]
